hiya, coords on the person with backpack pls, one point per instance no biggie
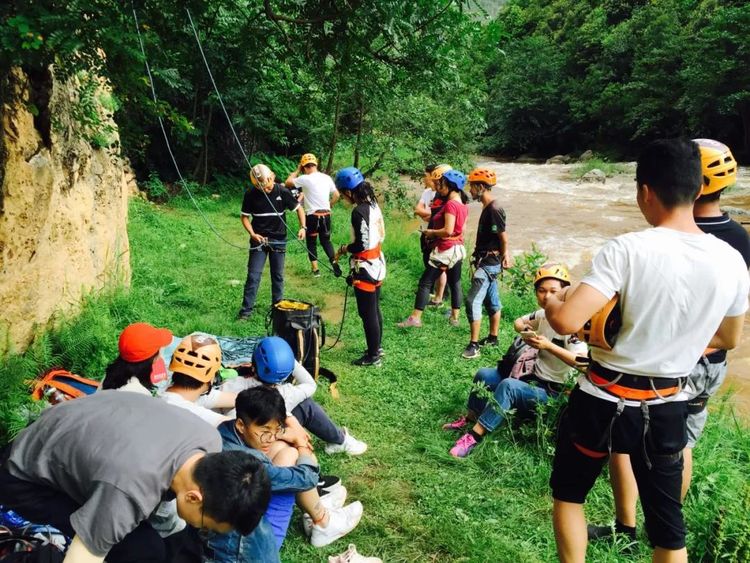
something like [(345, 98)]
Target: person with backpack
[(266, 203), (491, 255), (719, 169), (536, 372), (448, 252), (366, 262), (318, 195)]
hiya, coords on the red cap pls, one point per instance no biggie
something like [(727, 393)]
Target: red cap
[(140, 341)]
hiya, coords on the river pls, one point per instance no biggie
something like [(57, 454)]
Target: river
[(569, 222)]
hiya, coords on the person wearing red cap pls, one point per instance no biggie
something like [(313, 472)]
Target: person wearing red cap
[(139, 361)]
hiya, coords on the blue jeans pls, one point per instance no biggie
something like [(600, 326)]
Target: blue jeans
[(509, 394), (276, 252), (259, 546), (484, 290)]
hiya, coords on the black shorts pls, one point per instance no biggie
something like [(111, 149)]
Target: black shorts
[(318, 224), (587, 429)]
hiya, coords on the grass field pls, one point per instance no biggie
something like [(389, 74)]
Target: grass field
[(420, 504)]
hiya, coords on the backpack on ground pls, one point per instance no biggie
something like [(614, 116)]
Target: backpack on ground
[(58, 384)]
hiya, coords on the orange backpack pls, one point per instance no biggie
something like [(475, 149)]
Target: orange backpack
[(59, 384)]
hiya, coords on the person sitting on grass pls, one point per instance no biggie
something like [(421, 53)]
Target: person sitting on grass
[(292, 470), (274, 366), (536, 377)]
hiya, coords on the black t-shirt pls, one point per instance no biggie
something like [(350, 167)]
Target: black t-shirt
[(734, 234), (491, 224), (268, 212)]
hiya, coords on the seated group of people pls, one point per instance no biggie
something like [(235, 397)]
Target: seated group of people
[(124, 471)]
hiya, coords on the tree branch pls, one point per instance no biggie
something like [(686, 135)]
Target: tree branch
[(273, 16)]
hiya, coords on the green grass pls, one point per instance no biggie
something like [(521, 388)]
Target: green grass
[(420, 504)]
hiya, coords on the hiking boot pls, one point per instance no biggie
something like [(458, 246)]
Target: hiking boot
[(367, 360), (410, 322), (336, 269), (351, 556), (316, 273), (243, 315), (463, 446), (381, 352), (457, 424), (341, 521), (327, 483), (471, 351), (350, 445), (489, 341)]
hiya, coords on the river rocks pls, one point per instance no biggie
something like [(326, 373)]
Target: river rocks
[(558, 159), (586, 155), (63, 209), (594, 175)]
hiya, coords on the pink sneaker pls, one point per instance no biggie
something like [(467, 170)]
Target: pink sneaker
[(457, 424), (410, 322), (463, 446)]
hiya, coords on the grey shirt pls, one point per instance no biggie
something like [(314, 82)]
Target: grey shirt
[(114, 453)]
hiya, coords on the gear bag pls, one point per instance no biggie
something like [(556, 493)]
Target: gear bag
[(301, 325), (58, 384)]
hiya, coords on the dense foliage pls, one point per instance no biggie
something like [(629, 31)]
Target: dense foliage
[(612, 74)]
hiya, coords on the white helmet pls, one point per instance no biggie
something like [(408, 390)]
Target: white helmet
[(261, 176)]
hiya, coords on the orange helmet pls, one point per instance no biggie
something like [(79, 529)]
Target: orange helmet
[(554, 271), (308, 158), (483, 176), (438, 172), (717, 165), (197, 356), (261, 176)]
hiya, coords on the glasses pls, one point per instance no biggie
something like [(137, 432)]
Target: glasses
[(267, 437)]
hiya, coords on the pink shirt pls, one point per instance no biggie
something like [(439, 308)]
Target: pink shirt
[(460, 212)]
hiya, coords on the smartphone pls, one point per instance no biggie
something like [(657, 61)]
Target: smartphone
[(528, 333)]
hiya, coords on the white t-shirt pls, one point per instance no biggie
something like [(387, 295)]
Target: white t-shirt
[(213, 418), (426, 198), (675, 289), (549, 367), (317, 188)]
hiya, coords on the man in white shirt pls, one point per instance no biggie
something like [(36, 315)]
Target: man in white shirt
[(318, 193), (680, 290)]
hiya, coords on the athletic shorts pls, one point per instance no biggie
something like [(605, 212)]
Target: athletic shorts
[(705, 380), (591, 425)]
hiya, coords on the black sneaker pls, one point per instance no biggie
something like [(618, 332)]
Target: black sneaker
[(367, 360), (610, 531), (327, 483), (336, 269), (488, 341), (471, 351), (381, 352), (316, 273), (243, 315)]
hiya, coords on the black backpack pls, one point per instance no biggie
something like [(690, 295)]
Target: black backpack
[(301, 325), (19, 548)]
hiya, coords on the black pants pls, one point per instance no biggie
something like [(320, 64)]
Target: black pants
[(318, 228), (43, 505), (430, 275), (312, 417), (368, 307)]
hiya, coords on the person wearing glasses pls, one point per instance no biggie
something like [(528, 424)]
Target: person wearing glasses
[(259, 429)]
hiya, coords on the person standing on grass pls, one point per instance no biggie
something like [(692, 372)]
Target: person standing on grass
[(318, 195), (427, 206), (719, 172), (267, 203), (680, 290), (491, 255), (367, 263), (537, 374), (448, 250)]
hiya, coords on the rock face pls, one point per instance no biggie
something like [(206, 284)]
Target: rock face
[(586, 155), (594, 175), (63, 209)]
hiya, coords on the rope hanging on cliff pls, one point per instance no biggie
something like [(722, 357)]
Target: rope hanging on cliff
[(166, 138)]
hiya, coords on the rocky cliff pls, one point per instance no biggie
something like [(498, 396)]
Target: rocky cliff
[(63, 206)]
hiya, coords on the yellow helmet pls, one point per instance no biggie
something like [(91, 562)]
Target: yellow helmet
[(554, 271), (261, 176), (308, 158), (717, 165), (197, 356), (438, 172), (601, 330)]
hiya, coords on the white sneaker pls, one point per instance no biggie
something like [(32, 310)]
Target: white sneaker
[(351, 556), (351, 445), (341, 521), (333, 500)]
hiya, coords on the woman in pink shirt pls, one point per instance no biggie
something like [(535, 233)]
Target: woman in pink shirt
[(448, 249)]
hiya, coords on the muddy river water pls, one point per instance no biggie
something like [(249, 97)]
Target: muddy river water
[(569, 222)]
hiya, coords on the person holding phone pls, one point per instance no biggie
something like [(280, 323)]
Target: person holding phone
[(537, 374)]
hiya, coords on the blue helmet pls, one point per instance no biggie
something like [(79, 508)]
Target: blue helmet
[(273, 360), (349, 178), (456, 178)]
